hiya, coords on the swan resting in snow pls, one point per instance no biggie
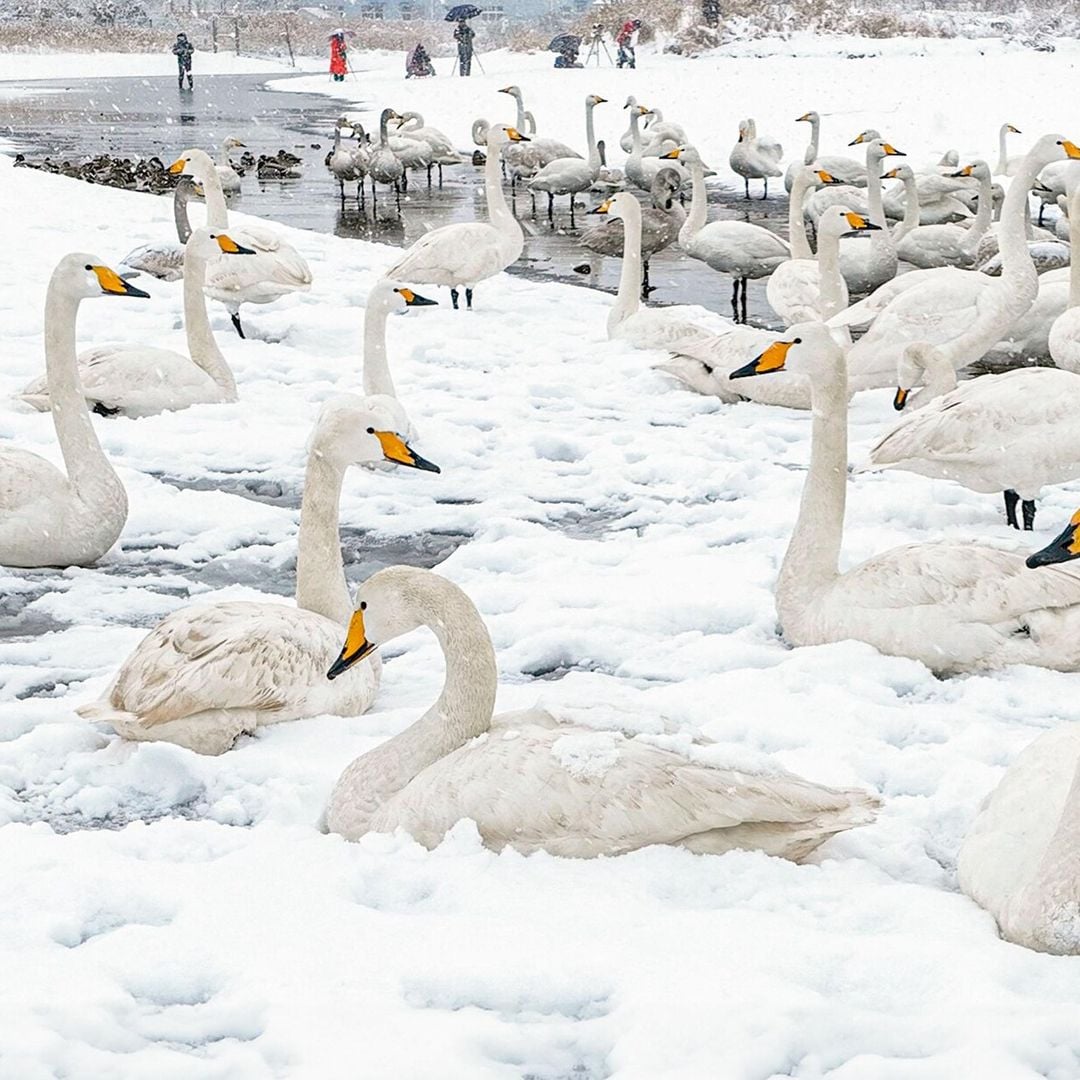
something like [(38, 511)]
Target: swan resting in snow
[(535, 784), (208, 673), (48, 518), (954, 607)]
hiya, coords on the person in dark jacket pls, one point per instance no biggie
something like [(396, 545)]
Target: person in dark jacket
[(464, 35), (418, 65), (183, 51), (568, 58)]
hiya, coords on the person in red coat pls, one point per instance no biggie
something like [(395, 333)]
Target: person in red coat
[(339, 56)]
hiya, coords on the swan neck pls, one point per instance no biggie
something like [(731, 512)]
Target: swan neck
[(462, 713), (695, 220), (873, 193), (320, 570), (983, 214), (1017, 269), (800, 243), (180, 213), (202, 347), (628, 300), (811, 561), (829, 277), (217, 214), (498, 211), (911, 208), (1003, 153), (590, 138), (87, 466), (376, 376), (812, 150)]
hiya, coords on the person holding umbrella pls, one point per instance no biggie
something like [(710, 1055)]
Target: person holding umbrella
[(339, 56), (463, 34), (567, 46)]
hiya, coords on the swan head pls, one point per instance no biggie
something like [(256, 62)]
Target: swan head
[(232, 142), (352, 430), (594, 99), (840, 221), (635, 108), (916, 361), (867, 136), (503, 133), (209, 243), (1053, 148), (809, 117), (686, 155), (807, 348), (1010, 130), (977, 170), (193, 162), (878, 149), (394, 602), (619, 205), (1063, 548), (513, 91), (397, 297), (85, 276), (901, 172)]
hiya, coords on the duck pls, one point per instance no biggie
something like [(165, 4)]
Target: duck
[(807, 286), (660, 226), (755, 158), (227, 174), (1009, 432), (276, 270), (49, 517), (846, 170), (533, 783), (947, 303), (268, 168), (386, 296), (737, 248), (143, 380), (954, 607), (209, 673), (927, 246), (651, 328), (165, 260), (571, 176), (465, 253)]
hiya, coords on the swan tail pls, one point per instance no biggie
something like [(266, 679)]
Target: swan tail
[(40, 402)]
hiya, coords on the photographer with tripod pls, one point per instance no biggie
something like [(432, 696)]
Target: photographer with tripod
[(596, 43)]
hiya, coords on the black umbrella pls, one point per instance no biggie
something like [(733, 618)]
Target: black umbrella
[(564, 43), (462, 11)]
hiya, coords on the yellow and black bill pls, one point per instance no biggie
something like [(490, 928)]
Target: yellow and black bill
[(397, 450), (112, 284), (1063, 548), (230, 247), (413, 299), (356, 646), (900, 398), (772, 359)]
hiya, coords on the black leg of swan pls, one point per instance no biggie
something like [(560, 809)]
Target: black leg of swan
[(236, 323), (440, 174), (766, 195), (1027, 507), (454, 298), (735, 299), (746, 184), (744, 284), (551, 209), (468, 298), (645, 289), (1011, 500), (397, 196), (572, 225)]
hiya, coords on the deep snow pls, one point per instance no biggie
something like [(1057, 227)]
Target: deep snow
[(164, 915)]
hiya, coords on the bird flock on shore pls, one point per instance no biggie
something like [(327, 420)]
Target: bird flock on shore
[(941, 271)]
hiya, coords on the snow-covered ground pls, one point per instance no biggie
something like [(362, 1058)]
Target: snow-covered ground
[(164, 915)]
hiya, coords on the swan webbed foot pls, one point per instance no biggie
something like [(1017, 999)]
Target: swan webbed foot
[(1011, 501), (1027, 508), (236, 323)]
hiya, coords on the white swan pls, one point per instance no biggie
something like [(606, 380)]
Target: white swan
[(1064, 338), (649, 328), (227, 174), (1011, 432), (947, 303), (954, 607), (733, 247), (386, 296), (465, 253), (927, 246), (341, 163), (165, 259), (540, 150), (210, 672), (411, 125), (1007, 166), (534, 784), (570, 175), (277, 268), (383, 165), (48, 518), (141, 380), (640, 170), (866, 266), (755, 158), (808, 287), (846, 170), (1020, 859)]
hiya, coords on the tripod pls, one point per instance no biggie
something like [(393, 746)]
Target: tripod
[(596, 43)]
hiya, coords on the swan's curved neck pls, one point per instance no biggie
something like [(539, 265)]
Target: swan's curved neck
[(181, 194), (320, 570), (91, 475), (1017, 270), (628, 299), (498, 212), (590, 137), (695, 220), (911, 208), (462, 712), (377, 378), (812, 558), (635, 133), (520, 122), (217, 213), (1003, 151), (800, 244), (983, 216), (812, 150), (384, 137), (202, 347)]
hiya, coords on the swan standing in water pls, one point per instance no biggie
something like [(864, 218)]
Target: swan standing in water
[(736, 248), (227, 174), (142, 380), (386, 296), (755, 159), (954, 607), (522, 776), (209, 673), (442, 149), (47, 518), (276, 270), (570, 175), (466, 253)]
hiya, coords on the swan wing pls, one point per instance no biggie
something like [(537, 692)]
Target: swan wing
[(579, 792), (27, 479), (163, 261), (258, 278), (455, 255)]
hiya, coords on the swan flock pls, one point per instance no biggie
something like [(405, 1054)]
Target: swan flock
[(873, 287)]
